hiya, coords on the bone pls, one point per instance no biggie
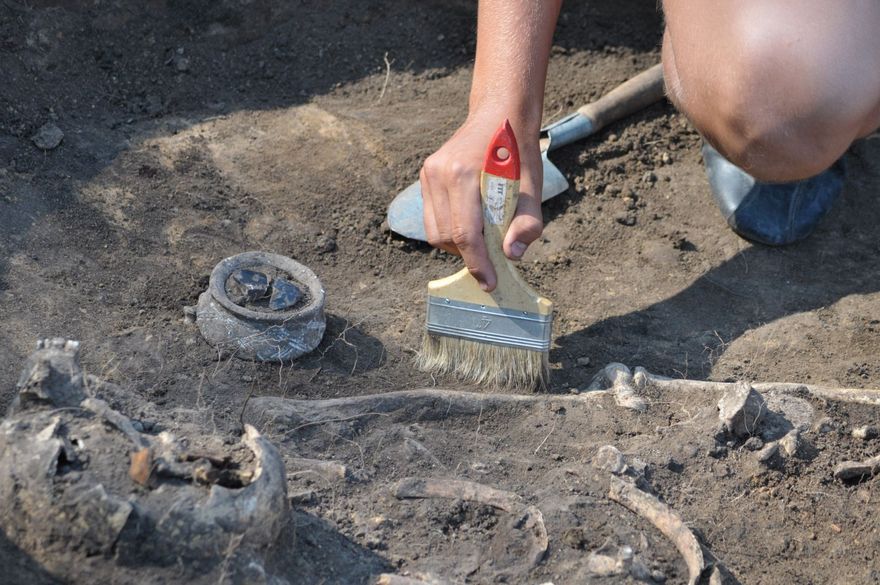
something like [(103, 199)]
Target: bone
[(870, 396), (287, 415), (330, 470), (665, 519), (854, 470), (389, 579), (413, 488), (116, 419), (531, 521), (618, 379)]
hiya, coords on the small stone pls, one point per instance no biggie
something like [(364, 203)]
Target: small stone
[(610, 560), (717, 451), (141, 466), (325, 244), (754, 443), (625, 219), (658, 576), (575, 538), (48, 137), (285, 295), (609, 458), (791, 443), (740, 410), (674, 465), (824, 425), (769, 455), (583, 361), (303, 498), (865, 433)]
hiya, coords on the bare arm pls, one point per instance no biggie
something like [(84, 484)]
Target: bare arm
[(513, 49)]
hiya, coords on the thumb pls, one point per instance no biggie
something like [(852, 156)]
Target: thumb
[(526, 226)]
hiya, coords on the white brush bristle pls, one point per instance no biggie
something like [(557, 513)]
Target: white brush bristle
[(483, 363)]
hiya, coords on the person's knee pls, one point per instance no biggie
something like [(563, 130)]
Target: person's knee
[(768, 110)]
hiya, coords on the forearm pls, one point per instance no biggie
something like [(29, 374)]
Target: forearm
[(513, 50)]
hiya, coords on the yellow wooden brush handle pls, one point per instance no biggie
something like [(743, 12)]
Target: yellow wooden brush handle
[(499, 196)]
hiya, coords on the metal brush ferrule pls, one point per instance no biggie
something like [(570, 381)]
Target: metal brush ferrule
[(505, 327)]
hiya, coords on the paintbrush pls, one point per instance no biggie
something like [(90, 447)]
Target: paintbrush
[(500, 338)]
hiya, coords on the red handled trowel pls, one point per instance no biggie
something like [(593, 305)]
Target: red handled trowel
[(646, 88)]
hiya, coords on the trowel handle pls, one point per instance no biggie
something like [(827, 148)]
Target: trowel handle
[(627, 98)]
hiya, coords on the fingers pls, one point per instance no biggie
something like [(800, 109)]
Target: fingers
[(467, 226), (429, 217), (527, 224)]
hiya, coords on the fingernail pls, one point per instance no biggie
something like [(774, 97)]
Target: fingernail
[(518, 249), (484, 286)]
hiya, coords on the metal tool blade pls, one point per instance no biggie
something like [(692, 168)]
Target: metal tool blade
[(405, 212)]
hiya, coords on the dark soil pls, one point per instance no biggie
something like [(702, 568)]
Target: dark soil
[(201, 129)]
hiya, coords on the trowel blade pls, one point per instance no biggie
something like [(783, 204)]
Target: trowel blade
[(405, 212)]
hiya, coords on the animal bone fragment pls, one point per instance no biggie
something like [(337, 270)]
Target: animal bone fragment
[(791, 443), (330, 470), (620, 380), (610, 459), (769, 454), (665, 519), (52, 375), (389, 579), (609, 560), (870, 396), (865, 433), (531, 519), (850, 470), (740, 410), (455, 489)]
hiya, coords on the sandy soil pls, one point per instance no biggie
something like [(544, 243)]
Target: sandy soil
[(197, 130)]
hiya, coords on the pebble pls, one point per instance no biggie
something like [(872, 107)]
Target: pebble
[(768, 453), (583, 361), (609, 458), (325, 244), (791, 443), (865, 433), (658, 576), (48, 137), (754, 444), (625, 219)]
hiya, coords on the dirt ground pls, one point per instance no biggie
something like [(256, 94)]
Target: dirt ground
[(197, 130)]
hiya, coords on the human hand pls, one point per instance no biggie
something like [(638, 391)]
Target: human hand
[(453, 214)]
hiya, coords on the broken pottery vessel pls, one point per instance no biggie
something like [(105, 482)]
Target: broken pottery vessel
[(270, 336)]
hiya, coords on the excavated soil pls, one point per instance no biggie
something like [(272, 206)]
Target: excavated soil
[(197, 130)]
